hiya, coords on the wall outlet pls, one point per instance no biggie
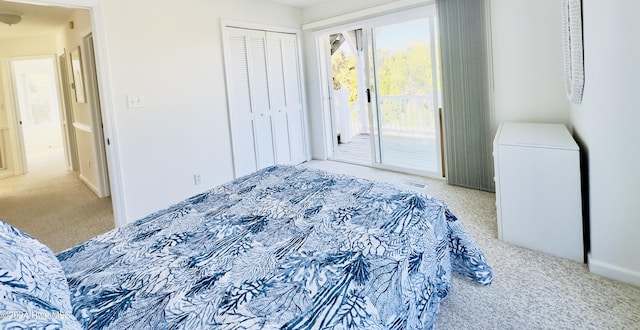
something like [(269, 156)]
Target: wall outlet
[(196, 179), (135, 101)]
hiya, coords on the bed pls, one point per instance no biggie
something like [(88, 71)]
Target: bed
[(287, 247)]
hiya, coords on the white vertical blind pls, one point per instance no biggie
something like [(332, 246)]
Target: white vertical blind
[(466, 91)]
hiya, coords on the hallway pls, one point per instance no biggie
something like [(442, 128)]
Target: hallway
[(51, 203)]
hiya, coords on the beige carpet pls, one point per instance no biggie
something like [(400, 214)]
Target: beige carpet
[(51, 203), (531, 290)]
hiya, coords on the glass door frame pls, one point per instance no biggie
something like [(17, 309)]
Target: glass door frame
[(325, 71)]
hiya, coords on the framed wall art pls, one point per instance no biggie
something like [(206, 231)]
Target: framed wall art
[(573, 49), (76, 69)]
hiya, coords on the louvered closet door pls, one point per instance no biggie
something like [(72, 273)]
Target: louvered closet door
[(286, 98), (265, 96), (249, 110)]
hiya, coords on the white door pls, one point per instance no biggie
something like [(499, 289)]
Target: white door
[(265, 102), (69, 133), (96, 118), (249, 111), (286, 100)]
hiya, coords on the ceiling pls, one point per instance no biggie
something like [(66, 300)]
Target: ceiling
[(47, 20), (300, 3), (36, 20)]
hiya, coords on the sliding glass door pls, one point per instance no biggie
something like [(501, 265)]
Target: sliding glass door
[(405, 85), (385, 92)]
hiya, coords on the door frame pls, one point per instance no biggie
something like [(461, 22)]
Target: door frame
[(106, 101), (69, 132), (15, 119)]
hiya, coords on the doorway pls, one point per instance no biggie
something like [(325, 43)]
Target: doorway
[(36, 97), (385, 93), (48, 203)]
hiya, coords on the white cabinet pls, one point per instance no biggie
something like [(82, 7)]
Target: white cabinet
[(538, 195), (265, 98)]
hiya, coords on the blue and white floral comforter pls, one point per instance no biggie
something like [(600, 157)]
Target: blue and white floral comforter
[(284, 248)]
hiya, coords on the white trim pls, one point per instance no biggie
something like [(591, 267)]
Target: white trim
[(90, 185), (614, 272), (82, 4), (366, 13), (6, 174), (323, 64), (108, 115), (106, 97), (261, 27), (380, 20)]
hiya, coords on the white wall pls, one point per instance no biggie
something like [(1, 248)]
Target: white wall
[(607, 123), (527, 57), (333, 8), (528, 61), (86, 128), (173, 55)]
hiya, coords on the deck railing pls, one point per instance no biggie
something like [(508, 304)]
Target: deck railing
[(412, 115)]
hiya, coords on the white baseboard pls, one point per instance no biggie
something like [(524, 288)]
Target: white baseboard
[(91, 186), (318, 157), (6, 174), (614, 272)]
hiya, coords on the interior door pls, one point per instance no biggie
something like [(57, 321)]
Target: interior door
[(96, 115), (286, 98), (246, 65), (69, 133)]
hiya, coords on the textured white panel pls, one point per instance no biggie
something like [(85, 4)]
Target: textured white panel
[(264, 140), (259, 77), (265, 99), (289, 114), (290, 71), (296, 137), (281, 137), (239, 67), (573, 49), (276, 68), (245, 147)]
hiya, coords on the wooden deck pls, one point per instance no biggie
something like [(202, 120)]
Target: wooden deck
[(415, 153)]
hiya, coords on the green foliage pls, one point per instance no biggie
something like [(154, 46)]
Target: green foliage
[(404, 72), (345, 74)]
